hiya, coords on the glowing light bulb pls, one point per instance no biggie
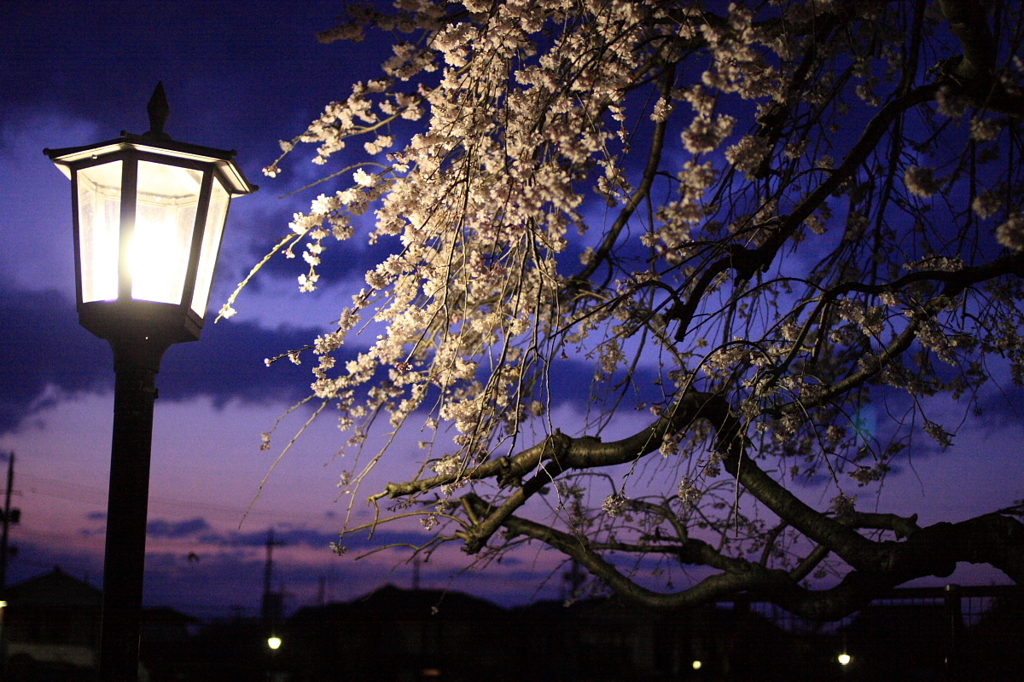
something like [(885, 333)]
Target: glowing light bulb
[(161, 242)]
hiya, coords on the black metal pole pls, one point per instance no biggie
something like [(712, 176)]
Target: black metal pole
[(136, 366)]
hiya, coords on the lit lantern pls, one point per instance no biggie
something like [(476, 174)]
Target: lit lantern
[(149, 213)]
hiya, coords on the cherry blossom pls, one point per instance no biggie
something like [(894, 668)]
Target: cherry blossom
[(748, 225)]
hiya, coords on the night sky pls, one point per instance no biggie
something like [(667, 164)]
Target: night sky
[(238, 75)]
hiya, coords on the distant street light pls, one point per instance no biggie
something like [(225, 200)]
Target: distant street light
[(274, 642), (148, 216), (844, 659)]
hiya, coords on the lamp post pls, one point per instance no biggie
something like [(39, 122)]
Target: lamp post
[(148, 215)]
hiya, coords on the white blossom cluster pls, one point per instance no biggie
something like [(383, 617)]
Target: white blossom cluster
[(921, 182), (1011, 233)]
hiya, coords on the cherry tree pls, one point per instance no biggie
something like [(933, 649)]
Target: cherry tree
[(783, 241)]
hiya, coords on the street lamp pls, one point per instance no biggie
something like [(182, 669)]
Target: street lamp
[(148, 215)]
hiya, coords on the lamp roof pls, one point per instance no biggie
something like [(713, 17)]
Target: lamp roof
[(160, 145), (157, 142)]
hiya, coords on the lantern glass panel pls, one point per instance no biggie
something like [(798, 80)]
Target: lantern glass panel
[(165, 216), (99, 223), (215, 217)]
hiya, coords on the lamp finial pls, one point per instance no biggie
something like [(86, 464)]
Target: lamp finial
[(158, 112)]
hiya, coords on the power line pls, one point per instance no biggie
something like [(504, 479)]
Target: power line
[(50, 487)]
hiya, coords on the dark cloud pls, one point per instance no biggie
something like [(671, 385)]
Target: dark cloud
[(259, 538), (228, 362), (1001, 405), (213, 588), (44, 347), (161, 528), (205, 535), (35, 558)]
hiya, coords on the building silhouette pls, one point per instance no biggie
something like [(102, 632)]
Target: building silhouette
[(51, 628)]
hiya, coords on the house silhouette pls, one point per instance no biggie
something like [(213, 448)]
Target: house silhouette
[(52, 620)]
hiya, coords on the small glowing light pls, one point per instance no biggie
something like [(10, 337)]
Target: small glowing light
[(274, 643), (697, 665), (3, 604), (844, 658)]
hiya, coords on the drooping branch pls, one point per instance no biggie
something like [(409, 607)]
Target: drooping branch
[(746, 262), (955, 284), (639, 195)]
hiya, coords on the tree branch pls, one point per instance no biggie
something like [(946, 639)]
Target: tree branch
[(746, 261), (992, 538), (640, 194)]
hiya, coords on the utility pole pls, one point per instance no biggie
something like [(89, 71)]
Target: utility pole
[(11, 516), (272, 601)]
